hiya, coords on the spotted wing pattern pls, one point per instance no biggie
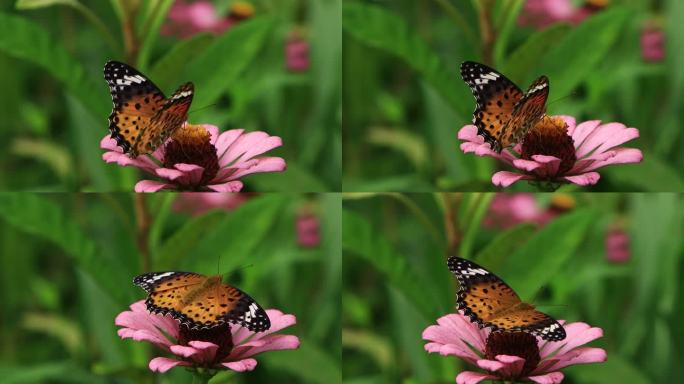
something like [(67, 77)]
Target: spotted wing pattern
[(491, 303), (201, 302), (503, 113), (142, 117)]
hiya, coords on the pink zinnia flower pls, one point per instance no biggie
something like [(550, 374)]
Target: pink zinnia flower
[(296, 53), (308, 234), (187, 19), (198, 158), (652, 44), (557, 150), (617, 245), (198, 203), (510, 209), (231, 347), (542, 13), (511, 356)]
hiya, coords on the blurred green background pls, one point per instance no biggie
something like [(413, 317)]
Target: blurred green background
[(55, 101), (561, 257), (405, 101), (69, 261)]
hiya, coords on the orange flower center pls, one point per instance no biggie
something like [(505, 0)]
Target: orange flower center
[(550, 137), (192, 145)]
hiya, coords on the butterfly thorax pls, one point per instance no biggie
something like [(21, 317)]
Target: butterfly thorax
[(210, 283), (511, 309)]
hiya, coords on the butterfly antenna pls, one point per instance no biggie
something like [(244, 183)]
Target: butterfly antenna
[(202, 108), (573, 93)]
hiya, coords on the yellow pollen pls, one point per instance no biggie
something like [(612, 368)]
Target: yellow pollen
[(192, 134)]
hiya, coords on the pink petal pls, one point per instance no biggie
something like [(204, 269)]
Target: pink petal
[(570, 121), (213, 132), (615, 156), (578, 334), (269, 343), (549, 378), (526, 165), (584, 179), (207, 350), (264, 164), (551, 164), (452, 336), (192, 173), (109, 144), (606, 137), (580, 133), (505, 365), (139, 318), (241, 365), (170, 174), (249, 145), (505, 178), (231, 186), (225, 140), (163, 364), (184, 351), (583, 355), (151, 186), (469, 133), (469, 377)]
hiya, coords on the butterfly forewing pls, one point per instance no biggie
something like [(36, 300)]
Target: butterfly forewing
[(527, 112), (496, 97), (142, 118), (199, 301), (490, 302)]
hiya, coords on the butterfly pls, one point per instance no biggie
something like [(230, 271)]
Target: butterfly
[(142, 117), (201, 302), (491, 303), (504, 113)]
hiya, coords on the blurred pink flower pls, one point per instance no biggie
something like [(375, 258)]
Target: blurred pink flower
[(510, 209), (511, 356), (198, 203), (557, 151), (652, 44), (231, 347), (617, 246), (296, 54), (308, 234), (542, 13), (198, 158), (186, 19)]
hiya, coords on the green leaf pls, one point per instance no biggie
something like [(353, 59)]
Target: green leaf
[(150, 30), (523, 60), (25, 40), (615, 370), (494, 254), (651, 175), (34, 4), (186, 239), (534, 264), (215, 69), (383, 30), (293, 179), (167, 70), (43, 218), (361, 239), (571, 61), (321, 366)]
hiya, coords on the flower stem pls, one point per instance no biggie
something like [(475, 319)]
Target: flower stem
[(487, 32), (201, 376), (143, 223)]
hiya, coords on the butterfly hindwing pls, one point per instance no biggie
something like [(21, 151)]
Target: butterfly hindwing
[(526, 112), (199, 301), (489, 302), (142, 118)]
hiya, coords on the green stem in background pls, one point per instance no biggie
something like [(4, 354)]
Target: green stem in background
[(487, 32), (415, 209), (87, 13), (131, 38), (451, 202), (143, 223), (505, 24), (472, 221), (458, 19), (200, 377)]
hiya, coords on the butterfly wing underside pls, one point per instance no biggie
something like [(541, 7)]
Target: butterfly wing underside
[(201, 302), (526, 112), (490, 302), (496, 97), (142, 118)]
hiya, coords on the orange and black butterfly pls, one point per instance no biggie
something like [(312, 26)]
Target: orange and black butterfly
[(504, 113), (491, 303), (142, 117), (201, 302)]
